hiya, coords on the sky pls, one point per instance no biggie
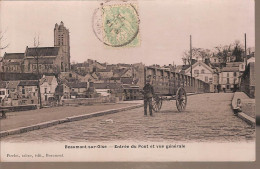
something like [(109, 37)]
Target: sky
[(165, 27)]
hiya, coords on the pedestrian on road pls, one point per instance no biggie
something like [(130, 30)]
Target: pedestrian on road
[(148, 95)]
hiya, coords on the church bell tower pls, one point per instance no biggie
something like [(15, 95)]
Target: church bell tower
[(62, 40)]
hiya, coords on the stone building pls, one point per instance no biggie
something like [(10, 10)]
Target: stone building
[(50, 59), (13, 62), (62, 40)]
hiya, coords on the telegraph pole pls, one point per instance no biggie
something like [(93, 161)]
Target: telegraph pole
[(191, 59), (245, 49)]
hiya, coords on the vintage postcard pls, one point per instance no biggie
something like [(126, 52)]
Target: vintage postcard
[(140, 80)]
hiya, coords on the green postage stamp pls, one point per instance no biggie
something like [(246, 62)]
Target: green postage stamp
[(118, 25)]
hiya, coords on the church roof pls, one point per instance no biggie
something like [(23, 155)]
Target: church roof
[(42, 51), (13, 56)]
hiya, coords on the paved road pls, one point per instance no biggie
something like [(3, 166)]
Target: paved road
[(208, 117), (27, 118)]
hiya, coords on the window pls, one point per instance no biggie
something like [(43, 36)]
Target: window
[(23, 90), (45, 98), (196, 71), (206, 79), (227, 80), (202, 71), (227, 74), (235, 73), (45, 90)]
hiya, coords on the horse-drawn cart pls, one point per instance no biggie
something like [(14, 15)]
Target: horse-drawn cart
[(169, 85)]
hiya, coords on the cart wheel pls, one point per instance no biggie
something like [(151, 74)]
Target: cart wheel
[(157, 103), (181, 99)]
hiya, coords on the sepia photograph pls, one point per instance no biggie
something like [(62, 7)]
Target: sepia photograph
[(121, 80)]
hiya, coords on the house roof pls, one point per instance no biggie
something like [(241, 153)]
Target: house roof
[(47, 79), (42, 51), (103, 70), (12, 84), (230, 69), (77, 84), (233, 64), (28, 83), (81, 64), (127, 80), (107, 85), (181, 68), (200, 63), (13, 56), (120, 72)]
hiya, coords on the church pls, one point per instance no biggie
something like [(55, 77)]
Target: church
[(49, 59)]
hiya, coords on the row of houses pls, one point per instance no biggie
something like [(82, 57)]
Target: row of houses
[(225, 78), (25, 92), (53, 90)]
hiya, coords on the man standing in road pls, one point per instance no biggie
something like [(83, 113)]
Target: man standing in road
[(148, 95)]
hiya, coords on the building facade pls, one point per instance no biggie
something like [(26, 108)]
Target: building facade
[(48, 85), (228, 78), (13, 62), (49, 60), (201, 71)]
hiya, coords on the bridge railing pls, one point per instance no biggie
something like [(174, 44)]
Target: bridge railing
[(167, 82)]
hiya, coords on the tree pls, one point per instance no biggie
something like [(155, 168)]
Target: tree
[(238, 51), (223, 52), (197, 53), (234, 49), (1, 41), (36, 57)]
